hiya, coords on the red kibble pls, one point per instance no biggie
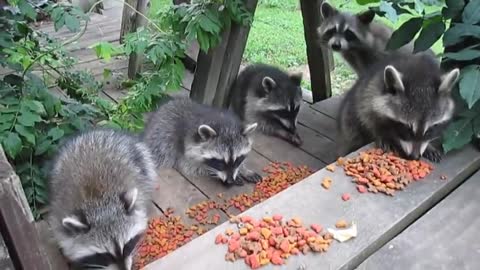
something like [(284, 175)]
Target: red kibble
[(361, 188), (316, 228), (346, 196)]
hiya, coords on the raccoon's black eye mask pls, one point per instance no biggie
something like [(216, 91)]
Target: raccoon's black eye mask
[(286, 114), (221, 165), (350, 35)]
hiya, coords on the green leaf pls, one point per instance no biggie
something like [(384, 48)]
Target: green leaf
[(365, 2), (27, 9), (471, 12), (405, 33), (107, 73), (476, 125), (470, 84), (34, 106), (72, 23), (42, 147), (55, 133), (27, 133), (28, 119), (463, 55), (105, 50), (453, 8), (12, 144), (458, 134), (428, 36), (390, 12), (458, 32), (6, 118)]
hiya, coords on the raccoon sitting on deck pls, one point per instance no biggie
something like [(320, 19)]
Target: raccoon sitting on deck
[(100, 187), (270, 97), (403, 103), (200, 140), (360, 40)]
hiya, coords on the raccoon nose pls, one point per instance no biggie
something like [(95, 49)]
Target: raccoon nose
[(336, 46), (414, 156)]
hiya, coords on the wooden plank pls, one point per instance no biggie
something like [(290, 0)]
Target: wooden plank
[(135, 61), (237, 40), (319, 122), (276, 149), (448, 233), (329, 106), (57, 260), (128, 18), (209, 66), (318, 62), (5, 261), (317, 145), (378, 217)]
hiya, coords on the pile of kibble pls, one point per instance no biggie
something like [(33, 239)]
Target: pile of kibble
[(271, 240), (165, 234), (378, 172)]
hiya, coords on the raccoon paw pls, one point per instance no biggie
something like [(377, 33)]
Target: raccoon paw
[(386, 147), (433, 154), (295, 139), (251, 177)]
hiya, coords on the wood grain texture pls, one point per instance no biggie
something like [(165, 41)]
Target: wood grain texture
[(379, 217), (319, 122), (329, 106), (5, 261), (446, 237)]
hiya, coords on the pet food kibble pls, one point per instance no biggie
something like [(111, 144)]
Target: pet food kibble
[(218, 239), (378, 172), (443, 177), (243, 231), (346, 196), (277, 217), (331, 167), (316, 228), (327, 182), (341, 224), (266, 233)]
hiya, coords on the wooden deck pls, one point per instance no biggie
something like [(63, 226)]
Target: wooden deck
[(381, 219)]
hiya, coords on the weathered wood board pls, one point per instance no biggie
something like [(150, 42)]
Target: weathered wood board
[(446, 237), (378, 217), (329, 106), (5, 261)]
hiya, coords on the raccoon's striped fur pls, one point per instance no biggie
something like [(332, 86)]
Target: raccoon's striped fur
[(200, 140), (100, 189), (403, 103)]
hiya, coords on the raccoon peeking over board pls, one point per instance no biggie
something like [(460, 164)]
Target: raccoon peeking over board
[(200, 140), (100, 187), (270, 97), (360, 40), (403, 104)]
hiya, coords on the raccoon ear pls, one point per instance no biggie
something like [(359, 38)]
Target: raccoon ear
[(393, 80), (296, 78), (206, 132), (366, 17), (448, 81), (129, 198), (74, 224), (247, 130), (268, 84), (327, 10)]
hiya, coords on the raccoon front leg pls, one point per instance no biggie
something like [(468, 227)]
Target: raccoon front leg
[(292, 138), (433, 154), (248, 175), (385, 146)]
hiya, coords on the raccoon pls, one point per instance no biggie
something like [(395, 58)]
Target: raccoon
[(200, 140), (403, 104), (100, 187), (270, 97), (359, 39)]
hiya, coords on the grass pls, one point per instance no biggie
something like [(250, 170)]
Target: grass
[(277, 38)]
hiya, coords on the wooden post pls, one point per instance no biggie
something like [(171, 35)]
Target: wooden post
[(209, 66), (232, 59), (131, 21), (318, 61), (17, 224)]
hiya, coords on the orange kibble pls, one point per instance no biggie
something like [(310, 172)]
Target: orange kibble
[(285, 246), (327, 182), (243, 231), (218, 239), (331, 167), (341, 224), (266, 233)]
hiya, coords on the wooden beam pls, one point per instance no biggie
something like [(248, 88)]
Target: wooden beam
[(318, 60), (128, 18), (209, 66), (237, 41), (16, 222)]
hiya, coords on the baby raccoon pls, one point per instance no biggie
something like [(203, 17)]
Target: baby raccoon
[(200, 140), (403, 104), (270, 97), (100, 188), (359, 39)]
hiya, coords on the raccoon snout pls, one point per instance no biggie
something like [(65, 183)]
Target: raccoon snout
[(336, 45)]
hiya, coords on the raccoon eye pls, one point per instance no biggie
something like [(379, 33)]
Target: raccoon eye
[(350, 36), (239, 160), (329, 33), (100, 259), (217, 164)]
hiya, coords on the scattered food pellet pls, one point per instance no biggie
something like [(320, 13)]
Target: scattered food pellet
[(326, 183), (344, 234), (378, 172), (276, 242), (330, 167), (346, 196), (443, 177), (341, 224)]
